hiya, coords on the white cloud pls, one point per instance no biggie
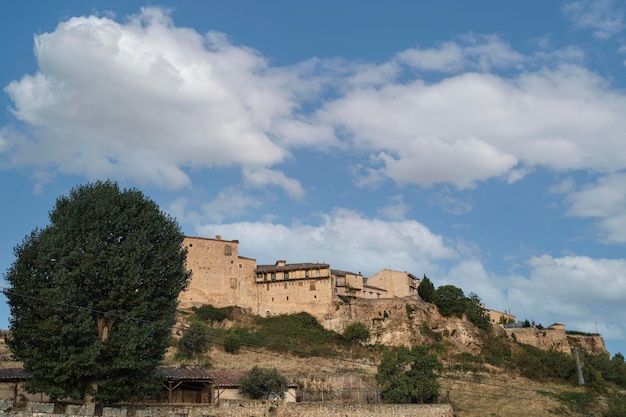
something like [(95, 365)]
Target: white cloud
[(260, 177), (396, 209), (605, 201), (144, 99), (473, 52), (148, 101), (604, 17), (579, 291), (471, 127), (449, 203), (345, 239)]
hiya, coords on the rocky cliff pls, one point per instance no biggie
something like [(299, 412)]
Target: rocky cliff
[(408, 321), (405, 321)]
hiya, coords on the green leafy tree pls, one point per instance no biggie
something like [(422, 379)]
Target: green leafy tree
[(262, 383), (476, 313), (232, 344), (195, 341), (356, 332), (450, 300), (409, 376), (426, 290), (93, 295)]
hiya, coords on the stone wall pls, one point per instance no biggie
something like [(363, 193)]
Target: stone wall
[(557, 339), (262, 409)]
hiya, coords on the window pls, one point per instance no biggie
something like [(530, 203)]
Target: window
[(287, 298), (285, 287), (312, 286), (240, 266), (306, 273), (286, 275), (273, 276), (317, 272), (228, 250)]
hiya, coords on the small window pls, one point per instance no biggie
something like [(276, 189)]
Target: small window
[(286, 275), (306, 273), (191, 245), (315, 296), (240, 266), (259, 275), (228, 250), (312, 286), (273, 276), (317, 271), (287, 298)]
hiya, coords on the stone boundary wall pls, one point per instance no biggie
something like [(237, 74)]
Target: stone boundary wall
[(258, 409)]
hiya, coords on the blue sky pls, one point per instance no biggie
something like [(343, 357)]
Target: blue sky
[(481, 145)]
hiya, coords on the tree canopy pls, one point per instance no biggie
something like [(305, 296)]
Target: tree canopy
[(93, 295), (426, 289), (409, 376), (195, 341), (263, 383), (356, 332), (450, 300)]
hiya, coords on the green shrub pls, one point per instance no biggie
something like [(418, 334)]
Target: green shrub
[(232, 344), (210, 313)]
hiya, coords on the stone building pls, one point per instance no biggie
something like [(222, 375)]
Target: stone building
[(285, 288), (497, 317), (221, 277), (396, 283)]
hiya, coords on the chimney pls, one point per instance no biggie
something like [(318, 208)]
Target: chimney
[(218, 237), (281, 262)]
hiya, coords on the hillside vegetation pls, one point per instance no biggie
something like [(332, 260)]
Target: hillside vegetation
[(505, 378)]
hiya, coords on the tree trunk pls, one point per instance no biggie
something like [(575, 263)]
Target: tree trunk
[(105, 324)]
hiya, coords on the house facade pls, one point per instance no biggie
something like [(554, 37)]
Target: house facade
[(395, 283), (222, 277)]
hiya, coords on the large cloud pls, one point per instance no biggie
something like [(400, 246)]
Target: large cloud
[(345, 239), (604, 201), (144, 99), (475, 126)]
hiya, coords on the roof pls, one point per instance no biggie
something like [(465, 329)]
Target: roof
[(289, 267), (226, 378), (341, 273), (187, 373), (13, 375)]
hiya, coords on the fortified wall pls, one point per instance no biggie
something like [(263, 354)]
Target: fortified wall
[(557, 339)]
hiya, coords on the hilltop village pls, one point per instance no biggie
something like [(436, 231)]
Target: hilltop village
[(221, 277)]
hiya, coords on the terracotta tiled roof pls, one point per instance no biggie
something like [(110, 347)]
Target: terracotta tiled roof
[(226, 378)]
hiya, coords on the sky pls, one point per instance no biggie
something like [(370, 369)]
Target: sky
[(481, 144)]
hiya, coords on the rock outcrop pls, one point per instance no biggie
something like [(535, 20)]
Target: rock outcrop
[(405, 321)]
